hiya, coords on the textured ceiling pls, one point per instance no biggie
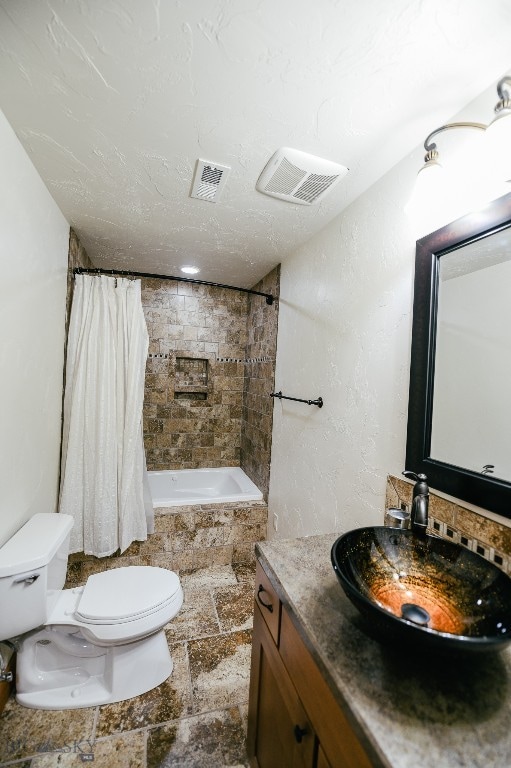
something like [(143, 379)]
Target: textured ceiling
[(115, 100)]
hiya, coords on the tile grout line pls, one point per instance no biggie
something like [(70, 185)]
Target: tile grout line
[(189, 667), (95, 721), (216, 610), (144, 753)]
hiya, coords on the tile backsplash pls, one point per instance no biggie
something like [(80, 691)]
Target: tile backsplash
[(450, 520)]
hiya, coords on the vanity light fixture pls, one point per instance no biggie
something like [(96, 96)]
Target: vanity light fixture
[(433, 180), (498, 133), (189, 270)]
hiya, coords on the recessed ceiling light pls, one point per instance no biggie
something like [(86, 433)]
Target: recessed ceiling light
[(190, 270)]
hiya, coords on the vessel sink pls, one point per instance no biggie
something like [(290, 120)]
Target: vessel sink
[(424, 590)]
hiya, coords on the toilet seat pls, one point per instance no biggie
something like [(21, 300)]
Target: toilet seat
[(133, 615), (126, 594)]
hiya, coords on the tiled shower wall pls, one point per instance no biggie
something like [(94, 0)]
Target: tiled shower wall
[(209, 374), (76, 257), (192, 417), (261, 349)]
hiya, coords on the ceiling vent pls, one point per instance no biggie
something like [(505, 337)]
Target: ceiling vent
[(209, 180), (299, 177)]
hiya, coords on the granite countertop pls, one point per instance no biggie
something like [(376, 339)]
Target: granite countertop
[(407, 711)]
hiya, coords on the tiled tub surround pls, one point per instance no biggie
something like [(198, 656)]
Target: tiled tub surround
[(257, 415), (209, 375), (452, 521), (197, 717), (185, 538), (407, 710), (76, 257)]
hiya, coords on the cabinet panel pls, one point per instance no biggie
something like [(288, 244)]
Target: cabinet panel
[(322, 761), (336, 736), (268, 602), (279, 733)]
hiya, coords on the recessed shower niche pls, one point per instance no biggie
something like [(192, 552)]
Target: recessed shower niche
[(191, 382)]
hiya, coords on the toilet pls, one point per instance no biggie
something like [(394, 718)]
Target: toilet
[(86, 646)]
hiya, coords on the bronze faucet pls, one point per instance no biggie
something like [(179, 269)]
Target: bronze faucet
[(420, 503)]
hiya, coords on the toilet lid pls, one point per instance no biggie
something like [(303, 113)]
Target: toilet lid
[(126, 594)]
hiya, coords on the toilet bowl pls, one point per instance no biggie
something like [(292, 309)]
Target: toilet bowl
[(86, 646)]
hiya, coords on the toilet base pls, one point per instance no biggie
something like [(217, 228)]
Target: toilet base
[(58, 669)]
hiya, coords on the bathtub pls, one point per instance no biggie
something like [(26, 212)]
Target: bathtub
[(173, 488)]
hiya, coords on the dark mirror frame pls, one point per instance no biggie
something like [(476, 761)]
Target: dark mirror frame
[(483, 490)]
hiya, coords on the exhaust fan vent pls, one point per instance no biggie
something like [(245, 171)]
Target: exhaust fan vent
[(298, 177), (209, 180)]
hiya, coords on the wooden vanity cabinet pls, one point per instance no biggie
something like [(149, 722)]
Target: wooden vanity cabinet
[(293, 719), (280, 734)]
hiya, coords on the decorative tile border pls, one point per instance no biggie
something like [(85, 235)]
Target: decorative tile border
[(453, 522), (245, 360), (439, 528)]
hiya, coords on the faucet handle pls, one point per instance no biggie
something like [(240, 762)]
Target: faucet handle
[(421, 483), (414, 476)]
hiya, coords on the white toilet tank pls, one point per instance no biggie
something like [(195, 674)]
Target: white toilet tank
[(33, 563)]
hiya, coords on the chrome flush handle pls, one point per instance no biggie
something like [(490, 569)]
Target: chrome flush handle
[(27, 579)]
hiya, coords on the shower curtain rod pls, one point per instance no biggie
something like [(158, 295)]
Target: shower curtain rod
[(93, 271)]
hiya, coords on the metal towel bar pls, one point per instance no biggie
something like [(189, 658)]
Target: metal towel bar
[(318, 402)]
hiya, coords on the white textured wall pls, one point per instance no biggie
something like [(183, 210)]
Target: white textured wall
[(33, 256), (344, 333)]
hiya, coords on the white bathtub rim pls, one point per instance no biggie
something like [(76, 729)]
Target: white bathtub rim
[(249, 491)]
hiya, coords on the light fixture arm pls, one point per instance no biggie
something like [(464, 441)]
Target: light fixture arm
[(494, 153), (430, 146), (503, 94)]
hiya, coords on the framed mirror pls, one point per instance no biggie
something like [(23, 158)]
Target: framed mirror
[(459, 411)]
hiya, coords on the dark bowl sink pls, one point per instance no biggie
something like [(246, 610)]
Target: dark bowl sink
[(424, 590)]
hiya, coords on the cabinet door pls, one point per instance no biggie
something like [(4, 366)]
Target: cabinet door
[(280, 735), (339, 744)]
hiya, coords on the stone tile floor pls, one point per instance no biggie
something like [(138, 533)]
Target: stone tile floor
[(195, 719)]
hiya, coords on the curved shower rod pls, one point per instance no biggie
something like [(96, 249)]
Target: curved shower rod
[(129, 273)]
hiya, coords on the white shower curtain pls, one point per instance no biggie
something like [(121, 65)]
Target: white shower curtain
[(103, 483)]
